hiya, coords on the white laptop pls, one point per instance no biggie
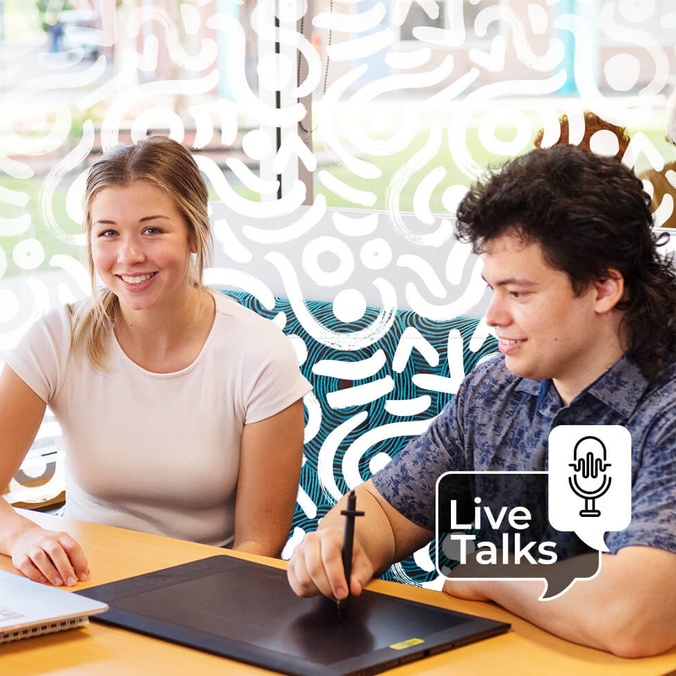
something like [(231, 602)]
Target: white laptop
[(29, 608)]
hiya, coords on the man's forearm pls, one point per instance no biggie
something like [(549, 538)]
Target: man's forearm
[(628, 609), (373, 532)]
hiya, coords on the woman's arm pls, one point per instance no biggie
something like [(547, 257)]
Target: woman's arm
[(271, 457), (41, 555)]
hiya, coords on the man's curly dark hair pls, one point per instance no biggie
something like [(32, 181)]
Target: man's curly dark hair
[(590, 215)]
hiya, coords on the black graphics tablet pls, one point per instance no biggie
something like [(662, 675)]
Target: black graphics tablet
[(247, 612)]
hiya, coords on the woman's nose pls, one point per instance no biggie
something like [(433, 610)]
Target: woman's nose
[(130, 251)]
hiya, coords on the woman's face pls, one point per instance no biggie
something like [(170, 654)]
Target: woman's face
[(141, 246)]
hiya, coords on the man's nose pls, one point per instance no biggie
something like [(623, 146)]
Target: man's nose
[(497, 313)]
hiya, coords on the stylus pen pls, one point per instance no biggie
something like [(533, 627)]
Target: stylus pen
[(348, 542)]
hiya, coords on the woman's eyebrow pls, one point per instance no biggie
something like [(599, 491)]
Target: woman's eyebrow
[(153, 217), (143, 219)]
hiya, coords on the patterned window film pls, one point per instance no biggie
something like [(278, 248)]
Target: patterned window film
[(336, 137)]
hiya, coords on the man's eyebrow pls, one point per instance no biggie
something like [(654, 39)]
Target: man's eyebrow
[(514, 281)]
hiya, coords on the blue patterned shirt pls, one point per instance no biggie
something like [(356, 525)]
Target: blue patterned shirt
[(501, 422)]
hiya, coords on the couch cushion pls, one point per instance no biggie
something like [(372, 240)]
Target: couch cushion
[(377, 381)]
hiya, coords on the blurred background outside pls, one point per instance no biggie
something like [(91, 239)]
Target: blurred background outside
[(405, 101), (300, 109)]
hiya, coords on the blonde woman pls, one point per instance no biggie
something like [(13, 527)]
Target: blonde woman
[(181, 411)]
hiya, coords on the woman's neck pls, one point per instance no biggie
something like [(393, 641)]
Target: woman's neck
[(166, 340)]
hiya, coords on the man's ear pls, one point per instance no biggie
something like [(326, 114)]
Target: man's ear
[(609, 291)]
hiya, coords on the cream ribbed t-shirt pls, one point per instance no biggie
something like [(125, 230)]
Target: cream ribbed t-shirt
[(159, 452)]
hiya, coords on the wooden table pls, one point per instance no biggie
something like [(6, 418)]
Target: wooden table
[(115, 553)]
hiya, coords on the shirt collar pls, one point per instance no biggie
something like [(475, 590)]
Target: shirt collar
[(620, 387)]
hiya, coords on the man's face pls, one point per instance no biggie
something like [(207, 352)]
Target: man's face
[(545, 331)]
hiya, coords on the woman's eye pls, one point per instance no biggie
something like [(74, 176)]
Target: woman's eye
[(152, 231), (107, 233)]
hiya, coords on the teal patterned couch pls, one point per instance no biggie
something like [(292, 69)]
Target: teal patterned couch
[(368, 400)]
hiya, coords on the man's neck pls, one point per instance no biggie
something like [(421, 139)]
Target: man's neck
[(569, 388)]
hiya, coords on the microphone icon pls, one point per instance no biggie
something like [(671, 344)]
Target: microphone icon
[(590, 462)]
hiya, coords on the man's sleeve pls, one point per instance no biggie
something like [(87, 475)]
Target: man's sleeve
[(408, 482), (653, 496)]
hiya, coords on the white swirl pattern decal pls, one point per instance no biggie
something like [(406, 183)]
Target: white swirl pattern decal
[(336, 146)]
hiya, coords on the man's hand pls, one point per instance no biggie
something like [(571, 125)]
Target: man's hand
[(382, 536), (316, 566)]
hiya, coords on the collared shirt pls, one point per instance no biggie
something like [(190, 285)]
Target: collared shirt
[(501, 422)]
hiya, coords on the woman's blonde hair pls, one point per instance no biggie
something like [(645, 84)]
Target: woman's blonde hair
[(170, 167)]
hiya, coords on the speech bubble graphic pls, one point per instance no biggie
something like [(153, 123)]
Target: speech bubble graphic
[(590, 481), (494, 525)]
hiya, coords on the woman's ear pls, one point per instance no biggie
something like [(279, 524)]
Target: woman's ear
[(609, 291)]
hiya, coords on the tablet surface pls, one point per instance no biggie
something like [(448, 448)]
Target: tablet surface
[(246, 611)]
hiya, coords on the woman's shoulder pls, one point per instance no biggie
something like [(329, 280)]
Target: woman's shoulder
[(245, 328), (244, 331), (230, 308), (41, 356), (55, 322), (226, 304)]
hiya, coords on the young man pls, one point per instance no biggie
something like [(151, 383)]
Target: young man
[(583, 308)]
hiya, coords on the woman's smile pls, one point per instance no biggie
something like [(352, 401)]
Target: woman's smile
[(136, 279), (140, 246)]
